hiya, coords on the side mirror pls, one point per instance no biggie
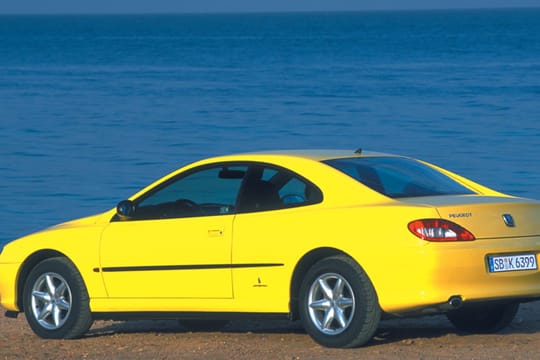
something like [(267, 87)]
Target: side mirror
[(125, 209)]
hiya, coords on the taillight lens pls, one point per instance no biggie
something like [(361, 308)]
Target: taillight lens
[(439, 230)]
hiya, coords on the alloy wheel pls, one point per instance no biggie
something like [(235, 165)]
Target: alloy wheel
[(51, 300), (331, 303)]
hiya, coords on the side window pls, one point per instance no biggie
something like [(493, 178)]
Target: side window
[(207, 192), (294, 192), (268, 188)]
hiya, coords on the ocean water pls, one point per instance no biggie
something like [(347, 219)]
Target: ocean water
[(92, 108)]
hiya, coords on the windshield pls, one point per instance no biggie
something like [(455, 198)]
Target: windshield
[(398, 177)]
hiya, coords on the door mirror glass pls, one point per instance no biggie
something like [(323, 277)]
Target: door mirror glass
[(125, 209)]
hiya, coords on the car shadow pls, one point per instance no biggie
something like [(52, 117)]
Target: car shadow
[(527, 321), (105, 328)]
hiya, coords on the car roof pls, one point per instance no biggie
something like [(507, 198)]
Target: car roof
[(320, 154)]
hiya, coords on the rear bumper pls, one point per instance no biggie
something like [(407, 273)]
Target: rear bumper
[(433, 274)]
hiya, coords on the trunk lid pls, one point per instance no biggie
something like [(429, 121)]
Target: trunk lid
[(487, 216)]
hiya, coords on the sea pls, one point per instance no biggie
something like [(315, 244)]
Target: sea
[(94, 107)]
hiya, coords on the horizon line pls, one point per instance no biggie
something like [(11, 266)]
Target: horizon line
[(247, 12)]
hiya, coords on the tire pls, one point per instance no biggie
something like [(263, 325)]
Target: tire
[(483, 318), (55, 300), (338, 304)]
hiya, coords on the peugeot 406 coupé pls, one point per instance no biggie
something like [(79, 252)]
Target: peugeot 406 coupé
[(337, 239)]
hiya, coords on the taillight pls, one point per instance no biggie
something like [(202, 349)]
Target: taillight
[(439, 230)]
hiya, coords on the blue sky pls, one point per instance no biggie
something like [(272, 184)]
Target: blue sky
[(183, 6)]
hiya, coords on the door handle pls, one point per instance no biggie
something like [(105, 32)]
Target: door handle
[(215, 233)]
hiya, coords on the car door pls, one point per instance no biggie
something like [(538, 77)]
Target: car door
[(177, 244), (269, 232)]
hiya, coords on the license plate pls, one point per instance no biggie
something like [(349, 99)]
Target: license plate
[(512, 263)]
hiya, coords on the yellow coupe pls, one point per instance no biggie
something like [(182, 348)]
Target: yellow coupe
[(337, 239)]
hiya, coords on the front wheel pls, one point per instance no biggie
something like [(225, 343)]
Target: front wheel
[(56, 301), (483, 318), (338, 304)]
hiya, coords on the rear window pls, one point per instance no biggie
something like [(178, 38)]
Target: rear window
[(398, 177)]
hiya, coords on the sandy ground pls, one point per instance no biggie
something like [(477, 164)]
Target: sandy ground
[(422, 338)]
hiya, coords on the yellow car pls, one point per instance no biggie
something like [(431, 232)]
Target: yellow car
[(337, 239)]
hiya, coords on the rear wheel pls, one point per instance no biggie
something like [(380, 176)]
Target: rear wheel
[(55, 300), (338, 305), (483, 318)]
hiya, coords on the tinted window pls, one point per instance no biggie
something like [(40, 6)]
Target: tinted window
[(211, 191), (269, 188), (398, 177)]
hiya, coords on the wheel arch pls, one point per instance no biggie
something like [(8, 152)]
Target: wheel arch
[(28, 265), (302, 267)]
